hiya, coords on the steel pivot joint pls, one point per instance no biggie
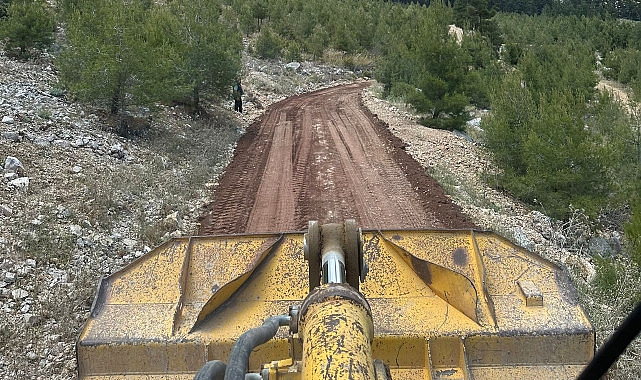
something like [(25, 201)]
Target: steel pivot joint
[(334, 252)]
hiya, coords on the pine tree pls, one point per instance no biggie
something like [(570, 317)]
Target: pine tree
[(123, 53), (28, 25), (208, 51), (106, 60)]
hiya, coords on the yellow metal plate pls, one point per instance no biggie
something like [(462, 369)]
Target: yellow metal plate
[(445, 304)]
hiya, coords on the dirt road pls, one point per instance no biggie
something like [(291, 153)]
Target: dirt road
[(323, 156)]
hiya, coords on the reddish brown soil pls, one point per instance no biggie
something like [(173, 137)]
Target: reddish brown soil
[(323, 156)]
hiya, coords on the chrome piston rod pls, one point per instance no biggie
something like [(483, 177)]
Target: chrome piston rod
[(333, 267), (332, 255)]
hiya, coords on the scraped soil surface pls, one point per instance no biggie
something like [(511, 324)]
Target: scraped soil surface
[(323, 156)]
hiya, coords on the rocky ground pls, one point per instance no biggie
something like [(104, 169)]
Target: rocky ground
[(78, 201)]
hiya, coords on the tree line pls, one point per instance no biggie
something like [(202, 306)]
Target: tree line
[(626, 9), (119, 54)]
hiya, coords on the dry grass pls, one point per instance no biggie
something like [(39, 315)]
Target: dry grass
[(608, 299)]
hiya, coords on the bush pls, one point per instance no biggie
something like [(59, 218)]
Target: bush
[(558, 141), (107, 61), (550, 158), (512, 53), (29, 25), (430, 60), (293, 52), (268, 45), (623, 65), (401, 91), (207, 51)]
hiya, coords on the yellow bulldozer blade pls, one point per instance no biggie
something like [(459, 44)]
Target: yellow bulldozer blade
[(445, 305)]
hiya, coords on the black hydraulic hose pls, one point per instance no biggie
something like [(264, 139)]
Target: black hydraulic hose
[(614, 347), (212, 370), (238, 363)]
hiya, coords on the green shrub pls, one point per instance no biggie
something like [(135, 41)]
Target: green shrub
[(430, 60), (207, 51), (623, 65), (550, 159), (57, 92), (558, 141), (293, 52), (401, 91), (607, 277), (317, 41), (44, 113), (268, 44), (512, 53), (105, 60), (612, 280), (607, 299), (29, 26)]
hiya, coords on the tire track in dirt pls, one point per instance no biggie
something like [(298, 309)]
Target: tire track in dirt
[(323, 156)]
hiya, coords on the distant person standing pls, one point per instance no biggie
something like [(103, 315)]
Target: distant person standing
[(238, 97)]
